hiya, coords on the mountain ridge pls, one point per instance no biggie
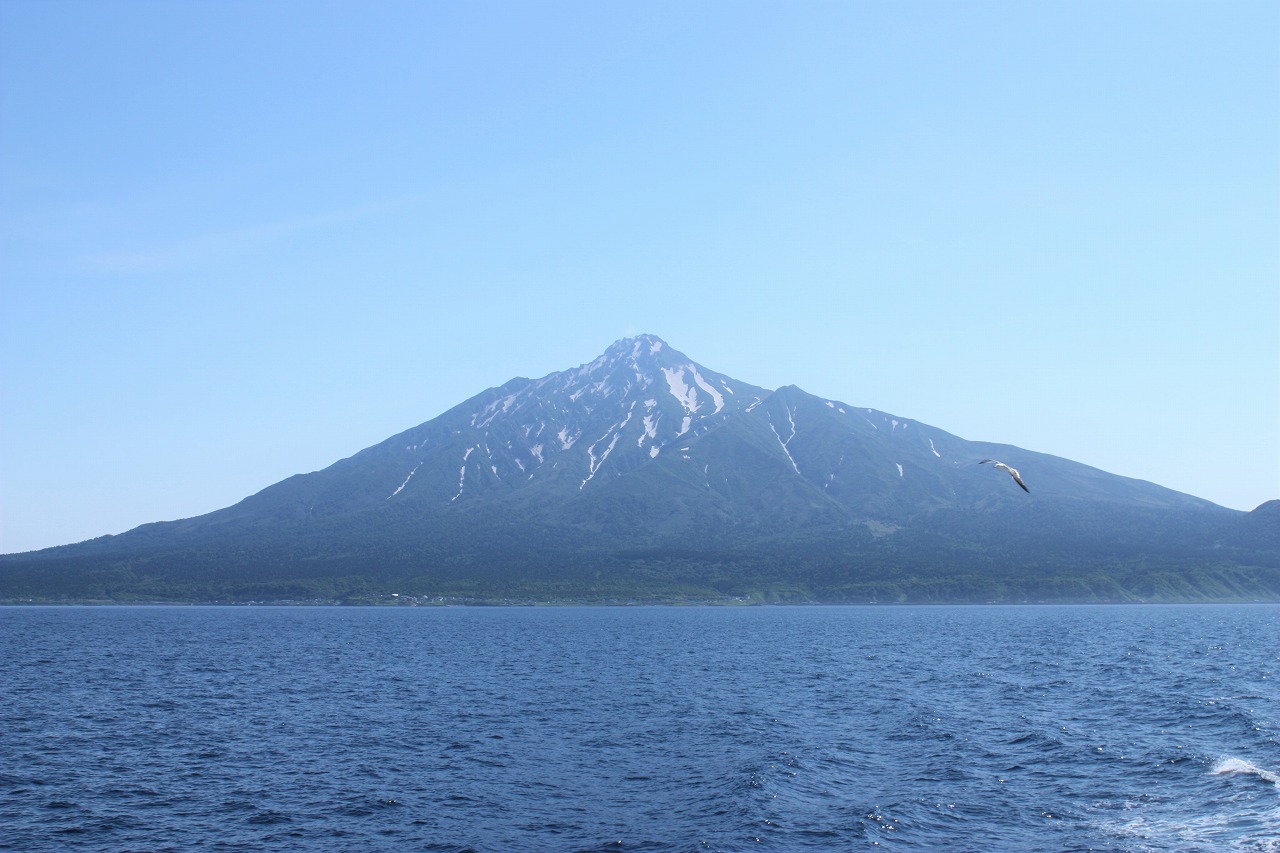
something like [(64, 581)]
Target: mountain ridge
[(644, 474)]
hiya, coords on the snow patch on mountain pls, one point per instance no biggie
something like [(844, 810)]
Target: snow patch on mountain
[(595, 463), (613, 434), (462, 473), (783, 444), (400, 488), (716, 397), (685, 393), (650, 422)]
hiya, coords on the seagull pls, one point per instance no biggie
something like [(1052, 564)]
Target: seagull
[(1013, 472)]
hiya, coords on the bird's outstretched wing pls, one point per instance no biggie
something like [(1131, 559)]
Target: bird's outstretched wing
[(1013, 472)]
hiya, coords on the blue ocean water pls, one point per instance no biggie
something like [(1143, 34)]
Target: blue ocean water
[(828, 728)]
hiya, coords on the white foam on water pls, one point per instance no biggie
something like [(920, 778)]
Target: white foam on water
[(1248, 831), (1246, 768), (1244, 816)]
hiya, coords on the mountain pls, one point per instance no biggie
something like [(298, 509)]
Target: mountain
[(643, 475)]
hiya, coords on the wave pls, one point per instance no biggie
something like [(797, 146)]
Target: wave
[(1245, 768)]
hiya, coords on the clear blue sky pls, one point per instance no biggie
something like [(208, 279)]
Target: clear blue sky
[(244, 240)]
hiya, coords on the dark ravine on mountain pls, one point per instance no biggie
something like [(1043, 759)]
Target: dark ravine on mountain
[(643, 476)]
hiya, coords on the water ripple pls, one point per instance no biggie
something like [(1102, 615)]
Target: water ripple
[(672, 729)]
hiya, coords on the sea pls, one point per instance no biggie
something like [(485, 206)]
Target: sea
[(1036, 728)]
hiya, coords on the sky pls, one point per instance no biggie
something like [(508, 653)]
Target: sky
[(244, 240)]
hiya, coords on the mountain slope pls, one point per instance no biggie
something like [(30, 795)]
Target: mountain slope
[(645, 474)]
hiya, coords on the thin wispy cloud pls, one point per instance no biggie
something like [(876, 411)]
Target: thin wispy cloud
[(211, 246)]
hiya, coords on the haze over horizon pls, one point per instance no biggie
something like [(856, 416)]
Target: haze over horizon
[(241, 241)]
